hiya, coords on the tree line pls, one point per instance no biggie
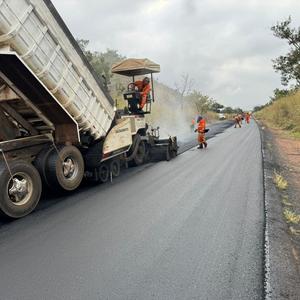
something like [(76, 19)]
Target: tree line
[(201, 102), (287, 65)]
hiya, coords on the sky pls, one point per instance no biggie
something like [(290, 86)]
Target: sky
[(226, 47)]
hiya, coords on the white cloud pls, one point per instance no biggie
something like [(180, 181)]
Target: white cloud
[(226, 46)]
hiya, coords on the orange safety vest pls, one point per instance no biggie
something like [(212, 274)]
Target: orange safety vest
[(144, 90), (202, 126)]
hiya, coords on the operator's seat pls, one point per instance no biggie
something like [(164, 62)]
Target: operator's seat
[(133, 99)]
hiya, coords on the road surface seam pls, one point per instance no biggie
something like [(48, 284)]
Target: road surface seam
[(266, 247)]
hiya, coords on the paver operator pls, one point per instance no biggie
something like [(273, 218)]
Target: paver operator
[(247, 118), (144, 88)]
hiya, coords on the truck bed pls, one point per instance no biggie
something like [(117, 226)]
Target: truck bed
[(36, 32)]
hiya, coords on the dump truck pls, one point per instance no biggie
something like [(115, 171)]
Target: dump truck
[(58, 121)]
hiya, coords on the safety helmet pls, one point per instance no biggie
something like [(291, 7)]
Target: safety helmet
[(146, 80)]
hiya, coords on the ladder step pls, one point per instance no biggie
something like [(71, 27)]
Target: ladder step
[(34, 120), (26, 111), (44, 127)]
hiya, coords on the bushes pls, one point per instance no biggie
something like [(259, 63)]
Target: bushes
[(283, 113)]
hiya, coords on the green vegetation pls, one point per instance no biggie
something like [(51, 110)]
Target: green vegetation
[(284, 113), (285, 201), (101, 62), (294, 231), (279, 181), (288, 65), (291, 216), (283, 109)]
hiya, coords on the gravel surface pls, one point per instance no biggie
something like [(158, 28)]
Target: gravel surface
[(282, 274)]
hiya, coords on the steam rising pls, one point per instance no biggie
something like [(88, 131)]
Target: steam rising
[(167, 113)]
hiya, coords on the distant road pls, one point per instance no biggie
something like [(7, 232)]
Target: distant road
[(191, 228)]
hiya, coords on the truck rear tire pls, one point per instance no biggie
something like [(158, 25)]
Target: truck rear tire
[(40, 163), (65, 168), (103, 172), (168, 154), (174, 153), (115, 167), (21, 192), (140, 155)]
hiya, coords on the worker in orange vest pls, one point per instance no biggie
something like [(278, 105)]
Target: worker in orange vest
[(237, 119), (144, 88), (247, 118), (201, 132)]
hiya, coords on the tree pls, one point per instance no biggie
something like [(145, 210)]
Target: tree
[(228, 110), (289, 64), (216, 107), (238, 110), (101, 62), (83, 45), (202, 102), (184, 87), (279, 93), (258, 108)]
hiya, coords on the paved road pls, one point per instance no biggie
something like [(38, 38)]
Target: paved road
[(191, 228)]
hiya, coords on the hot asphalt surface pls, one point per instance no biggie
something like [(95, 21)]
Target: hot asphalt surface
[(191, 228)]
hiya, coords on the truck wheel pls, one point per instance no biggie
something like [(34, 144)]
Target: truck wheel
[(65, 169), (103, 172), (140, 154), (20, 193), (115, 167), (173, 153), (147, 156), (168, 154), (40, 163)]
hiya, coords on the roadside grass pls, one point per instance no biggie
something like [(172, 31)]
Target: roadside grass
[(294, 231), (279, 181), (270, 146), (284, 114), (285, 201), (291, 217), (296, 135), (211, 116)]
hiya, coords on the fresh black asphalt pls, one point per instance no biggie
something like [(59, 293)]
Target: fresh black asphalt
[(191, 228)]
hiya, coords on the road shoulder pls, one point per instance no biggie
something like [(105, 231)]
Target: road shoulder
[(282, 280)]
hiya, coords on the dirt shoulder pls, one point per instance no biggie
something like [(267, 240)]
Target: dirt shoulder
[(282, 208), (287, 153)]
